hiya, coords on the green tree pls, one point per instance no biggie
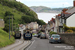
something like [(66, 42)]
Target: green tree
[(6, 19)]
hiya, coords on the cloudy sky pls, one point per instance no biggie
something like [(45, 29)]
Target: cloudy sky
[(48, 3)]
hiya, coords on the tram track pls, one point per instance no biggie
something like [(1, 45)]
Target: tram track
[(21, 45)]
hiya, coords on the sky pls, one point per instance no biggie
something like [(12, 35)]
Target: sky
[(48, 3)]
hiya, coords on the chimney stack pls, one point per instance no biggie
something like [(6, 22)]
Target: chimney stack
[(74, 3)]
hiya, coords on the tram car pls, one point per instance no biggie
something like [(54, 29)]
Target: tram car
[(17, 35), (27, 35)]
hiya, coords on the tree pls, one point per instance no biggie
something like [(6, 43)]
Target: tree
[(40, 22), (6, 19), (7, 13)]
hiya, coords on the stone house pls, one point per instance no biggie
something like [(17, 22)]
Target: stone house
[(1, 23)]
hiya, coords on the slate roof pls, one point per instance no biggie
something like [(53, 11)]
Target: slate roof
[(71, 10)]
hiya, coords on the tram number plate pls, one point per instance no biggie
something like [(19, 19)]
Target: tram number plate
[(27, 35)]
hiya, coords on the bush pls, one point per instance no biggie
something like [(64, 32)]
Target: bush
[(66, 28), (39, 31), (69, 31)]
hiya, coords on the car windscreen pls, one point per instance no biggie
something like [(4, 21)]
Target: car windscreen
[(42, 34), (55, 36)]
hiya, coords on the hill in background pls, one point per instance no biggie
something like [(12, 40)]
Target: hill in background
[(39, 9)]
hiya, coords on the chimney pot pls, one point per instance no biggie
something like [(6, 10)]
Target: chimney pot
[(74, 3)]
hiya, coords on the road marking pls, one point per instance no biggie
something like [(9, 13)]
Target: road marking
[(30, 45), (22, 48), (65, 47), (13, 48)]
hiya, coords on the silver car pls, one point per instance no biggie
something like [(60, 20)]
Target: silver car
[(55, 38), (43, 35)]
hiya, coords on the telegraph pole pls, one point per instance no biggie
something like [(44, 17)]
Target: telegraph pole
[(9, 26), (12, 24)]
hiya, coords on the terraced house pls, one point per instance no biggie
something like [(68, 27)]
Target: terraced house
[(52, 24), (70, 22), (67, 17)]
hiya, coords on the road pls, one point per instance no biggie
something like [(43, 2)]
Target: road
[(43, 44)]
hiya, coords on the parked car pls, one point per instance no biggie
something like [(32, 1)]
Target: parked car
[(38, 35), (35, 35), (55, 38), (43, 35)]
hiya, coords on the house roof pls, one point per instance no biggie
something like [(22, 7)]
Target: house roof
[(68, 12), (64, 10), (59, 14), (71, 10), (65, 13), (51, 21)]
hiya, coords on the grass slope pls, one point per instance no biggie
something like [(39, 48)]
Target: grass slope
[(17, 14), (4, 39)]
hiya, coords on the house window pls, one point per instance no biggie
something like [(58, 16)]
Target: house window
[(63, 21)]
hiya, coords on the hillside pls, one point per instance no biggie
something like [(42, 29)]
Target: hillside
[(39, 9), (17, 14), (21, 13), (4, 38), (16, 8)]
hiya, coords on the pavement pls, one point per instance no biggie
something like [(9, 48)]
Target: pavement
[(43, 44), (19, 44)]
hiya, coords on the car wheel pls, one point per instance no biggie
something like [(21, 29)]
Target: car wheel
[(49, 42), (59, 42), (40, 37), (45, 38)]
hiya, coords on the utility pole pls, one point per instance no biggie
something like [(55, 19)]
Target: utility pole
[(9, 27), (12, 24)]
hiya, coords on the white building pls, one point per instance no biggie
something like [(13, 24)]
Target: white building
[(70, 22), (33, 25)]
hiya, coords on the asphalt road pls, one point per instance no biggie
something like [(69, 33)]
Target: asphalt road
[(43, 44)]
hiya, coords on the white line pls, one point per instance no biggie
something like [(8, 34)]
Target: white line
[(30, 45)]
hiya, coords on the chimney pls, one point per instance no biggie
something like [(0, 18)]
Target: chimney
[(74, 3)]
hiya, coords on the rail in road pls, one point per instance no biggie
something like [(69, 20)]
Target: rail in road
[(19, 45)]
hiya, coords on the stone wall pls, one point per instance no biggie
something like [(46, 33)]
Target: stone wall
[(68, 38)]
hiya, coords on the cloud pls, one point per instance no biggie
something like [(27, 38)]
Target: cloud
[(48, 3)]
